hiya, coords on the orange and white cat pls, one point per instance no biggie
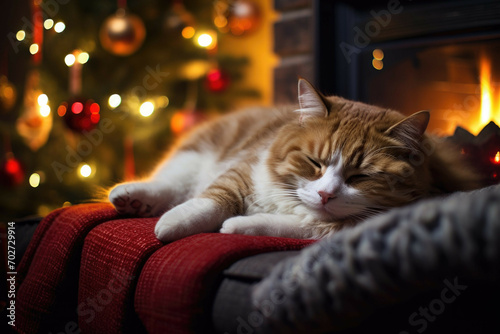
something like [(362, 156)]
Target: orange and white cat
[(301, 173)]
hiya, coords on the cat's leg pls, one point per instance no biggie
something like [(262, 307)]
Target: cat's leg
[(197, 215), (223, 199), (171, 184), (287, 226), (143, 199)]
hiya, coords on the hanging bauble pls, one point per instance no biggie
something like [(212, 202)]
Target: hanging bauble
[(122, 33), (8, 94), (217, 80), (11, 171), (35, 122), (80, 114), (184, 120), (238, 17)]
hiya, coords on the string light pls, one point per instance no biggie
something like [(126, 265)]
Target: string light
[(48, 24), (42, 100), (188, 32), (83, 57), (147, 109), (34, 48), (59, 27), (61, 110), (220, 21), (34, 180), (377, 64), (205, 40), (114, 100), (378, 54), (85, 170), (45, 111), (162, 101), (69, 60), (77, 107), (21, 34)]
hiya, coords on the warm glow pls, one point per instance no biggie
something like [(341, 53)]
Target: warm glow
[(77, 107), (83, 57), (48, 24), (378, 54), (21, 34), (496, 159), (220, 21), (42, 100), (377, 64), (162, 101), (207, 40), (178, 123), (204, 40), (485, 81), (487, 113), (85, 170), (34, 180), (188, 32), (61, 110), (59, 27), (147, 109), (45, 111), (34, 48), (114, 100), (69, 60)]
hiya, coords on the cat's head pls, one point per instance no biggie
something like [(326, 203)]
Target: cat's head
[(344, 160)]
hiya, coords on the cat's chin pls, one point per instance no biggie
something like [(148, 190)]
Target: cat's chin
[(331, 212), (322, 213)]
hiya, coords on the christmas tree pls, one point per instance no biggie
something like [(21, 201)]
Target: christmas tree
[(93, 92)]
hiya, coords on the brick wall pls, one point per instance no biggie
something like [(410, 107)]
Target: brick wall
[(293, 43)]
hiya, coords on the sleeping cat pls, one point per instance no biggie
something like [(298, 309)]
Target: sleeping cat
[(300, 173)]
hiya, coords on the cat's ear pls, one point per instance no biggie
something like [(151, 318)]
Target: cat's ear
[(411, 129), (311, 101)]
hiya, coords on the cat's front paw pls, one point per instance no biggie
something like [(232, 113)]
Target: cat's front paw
[(197, 215), (243, 225), (136, 199)]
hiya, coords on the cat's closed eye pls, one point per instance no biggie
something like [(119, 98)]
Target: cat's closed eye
[(314, 162), (356, 178)]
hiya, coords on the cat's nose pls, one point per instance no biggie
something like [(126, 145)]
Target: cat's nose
[(325, 196)]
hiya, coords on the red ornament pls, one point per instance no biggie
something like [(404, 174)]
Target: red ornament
[(11, 172), (217, 80), (80, 114)]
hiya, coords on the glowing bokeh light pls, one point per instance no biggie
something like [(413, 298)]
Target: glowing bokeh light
[(114, 100), (59, 27), (147, 109)]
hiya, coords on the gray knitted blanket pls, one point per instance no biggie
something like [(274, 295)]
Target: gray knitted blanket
[(387, 259)]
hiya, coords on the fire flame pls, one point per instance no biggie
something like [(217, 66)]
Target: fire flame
[(496, 159), (488, 113)]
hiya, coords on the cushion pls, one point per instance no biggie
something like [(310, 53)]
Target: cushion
[(443, 244), (88, 268)]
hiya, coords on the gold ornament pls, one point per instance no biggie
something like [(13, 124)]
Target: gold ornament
[(238, 17), (122, 33), (33, 125)]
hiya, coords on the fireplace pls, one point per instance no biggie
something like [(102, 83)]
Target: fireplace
[(442, 56)]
